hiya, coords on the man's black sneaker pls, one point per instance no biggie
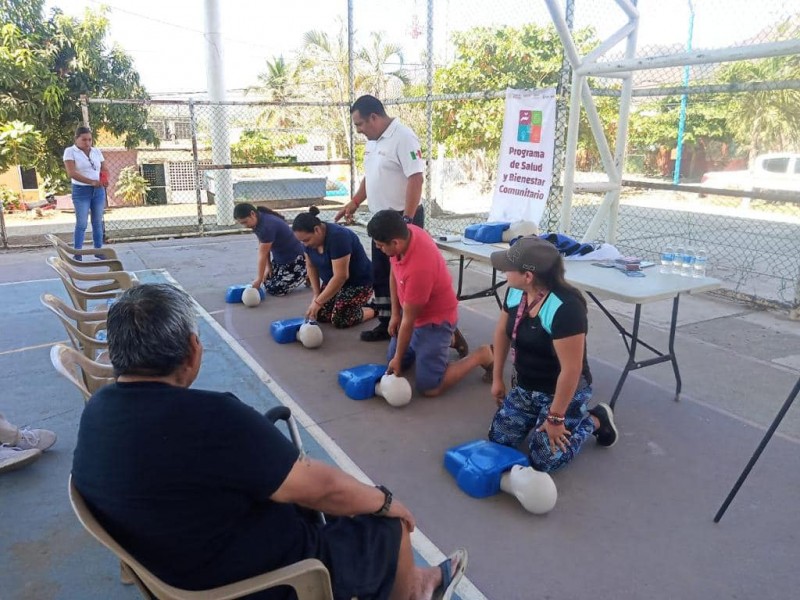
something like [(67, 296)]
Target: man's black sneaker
[(607, 433), (379, 334)]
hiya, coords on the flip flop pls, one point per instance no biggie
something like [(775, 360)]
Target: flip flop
[(460, 343), (450, 579)]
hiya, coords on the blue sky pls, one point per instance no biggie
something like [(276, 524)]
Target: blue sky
[(165, 37)]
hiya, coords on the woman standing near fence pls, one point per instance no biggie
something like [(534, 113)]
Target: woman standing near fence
[(339, 270), (86, 168), (281, 261)]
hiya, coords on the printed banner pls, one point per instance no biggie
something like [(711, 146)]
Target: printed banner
[(525, 168)]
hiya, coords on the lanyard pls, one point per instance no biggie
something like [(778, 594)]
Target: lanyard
[(522, 308)]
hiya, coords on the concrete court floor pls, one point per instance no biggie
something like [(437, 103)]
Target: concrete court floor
[(636, 518)]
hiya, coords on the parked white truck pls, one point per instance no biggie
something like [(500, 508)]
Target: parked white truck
[(780, 171)]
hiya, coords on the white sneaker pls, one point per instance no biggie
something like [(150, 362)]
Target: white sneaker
[(40, 439), (13, 458)]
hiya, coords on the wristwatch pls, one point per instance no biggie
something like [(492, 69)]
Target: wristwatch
[(407, 219), (387, 501)]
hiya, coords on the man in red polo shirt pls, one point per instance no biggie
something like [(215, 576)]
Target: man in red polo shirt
[(424, 306)]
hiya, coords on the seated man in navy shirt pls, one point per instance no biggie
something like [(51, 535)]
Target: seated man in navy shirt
[(205, 491)]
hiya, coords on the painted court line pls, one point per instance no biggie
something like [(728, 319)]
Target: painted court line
[(36, 347), (29, 281), (421, 543)]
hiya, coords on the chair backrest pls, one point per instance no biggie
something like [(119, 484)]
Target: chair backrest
[(68, 254), (89, 322), (85, 374), (114, 280), (80, 297), (308, 577), (89, 345)]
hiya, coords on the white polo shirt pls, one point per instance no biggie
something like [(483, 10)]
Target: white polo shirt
[(388, 163), (83, 165)]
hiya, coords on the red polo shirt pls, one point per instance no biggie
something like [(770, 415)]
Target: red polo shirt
[(422, 278)]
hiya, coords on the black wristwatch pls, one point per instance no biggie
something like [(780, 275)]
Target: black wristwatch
[(387, 501), (407, 219)]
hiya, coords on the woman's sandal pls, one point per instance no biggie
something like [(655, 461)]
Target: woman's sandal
[(488, 375), (450, 577)]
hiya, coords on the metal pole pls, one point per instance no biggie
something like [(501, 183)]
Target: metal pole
[(351, 90), (563, 91), (196, 167), (676, 176), (429, 116), (763, 444), (220, 142), (622, 130), (85, 109)]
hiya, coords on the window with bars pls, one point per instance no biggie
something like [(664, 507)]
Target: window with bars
[(159, 127), (183, 130), (182, 177)]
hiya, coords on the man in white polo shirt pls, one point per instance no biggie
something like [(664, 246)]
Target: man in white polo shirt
[(393, 166)]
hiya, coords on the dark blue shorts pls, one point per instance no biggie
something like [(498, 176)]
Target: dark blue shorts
[(430, 351)]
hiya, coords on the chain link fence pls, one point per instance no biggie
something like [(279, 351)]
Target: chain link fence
[(442, 67)]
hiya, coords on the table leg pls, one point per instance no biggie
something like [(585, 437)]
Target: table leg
[(672, 356), (460, 275), (494, 288), (767, 436), (631, 363)]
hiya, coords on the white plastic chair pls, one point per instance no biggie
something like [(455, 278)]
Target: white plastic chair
[(85, 374), (309, 578)]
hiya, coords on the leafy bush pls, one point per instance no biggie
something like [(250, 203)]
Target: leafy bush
[(10, 200), (131, 186)]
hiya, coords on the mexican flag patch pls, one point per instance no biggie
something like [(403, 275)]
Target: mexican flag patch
[(416, 155)]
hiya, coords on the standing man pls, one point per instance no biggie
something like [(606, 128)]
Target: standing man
[(393, 168)]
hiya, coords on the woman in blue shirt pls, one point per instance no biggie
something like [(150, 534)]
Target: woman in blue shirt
[(339, 271), (281, 261)]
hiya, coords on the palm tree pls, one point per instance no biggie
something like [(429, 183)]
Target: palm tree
[(279, 83), (375, 79), (323, 68)]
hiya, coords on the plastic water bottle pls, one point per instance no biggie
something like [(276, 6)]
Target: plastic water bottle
[(688, 263), (667, 256), (677, 261), (700, 263)]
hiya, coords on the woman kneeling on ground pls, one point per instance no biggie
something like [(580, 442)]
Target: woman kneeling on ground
[(544, 324), (339, 271), (281, 260)]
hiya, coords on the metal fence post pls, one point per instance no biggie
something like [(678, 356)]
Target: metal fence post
[(351, 92), (85, 109), (433, 207), (560, 150), (196, 166)]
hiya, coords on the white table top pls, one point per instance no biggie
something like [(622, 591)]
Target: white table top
[(612, 283)]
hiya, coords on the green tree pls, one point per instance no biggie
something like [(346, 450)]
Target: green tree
[(263, 146), (766, 120), (46, 63), (492, 59)]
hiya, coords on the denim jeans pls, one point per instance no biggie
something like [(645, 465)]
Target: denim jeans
[(86, 198)]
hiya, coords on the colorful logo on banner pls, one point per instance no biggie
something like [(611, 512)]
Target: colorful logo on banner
[(529, 128), (525, 163)]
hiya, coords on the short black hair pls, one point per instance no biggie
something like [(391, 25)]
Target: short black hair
[(387, 225), (81, 129), (367, 105)]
